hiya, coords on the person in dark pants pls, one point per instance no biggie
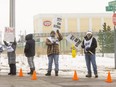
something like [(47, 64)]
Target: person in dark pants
[(30, 51), (89, 45), (11, 47), (53, 51)]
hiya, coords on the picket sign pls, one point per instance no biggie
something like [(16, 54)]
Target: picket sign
[(73, 40), (9, 34), (57, 23)]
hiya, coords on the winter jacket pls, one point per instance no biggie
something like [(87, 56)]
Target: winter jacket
[(30, 46), (53, 46), (11, 54), (93, 45)]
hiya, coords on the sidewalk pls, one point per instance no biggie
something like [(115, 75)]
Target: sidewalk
[(52, 81)]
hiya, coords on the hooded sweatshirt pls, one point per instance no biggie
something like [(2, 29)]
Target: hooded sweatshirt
[(30, 46)]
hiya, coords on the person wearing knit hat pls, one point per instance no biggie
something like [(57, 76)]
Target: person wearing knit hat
[(89, 32), (89, 45), (52, 43)]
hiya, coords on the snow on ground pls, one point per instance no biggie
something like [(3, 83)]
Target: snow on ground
[(67, 65)]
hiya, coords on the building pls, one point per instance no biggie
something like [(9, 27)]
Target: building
[(80, 22), (73, 22)]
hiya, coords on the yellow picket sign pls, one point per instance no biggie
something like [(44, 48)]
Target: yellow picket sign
[(73, 52)]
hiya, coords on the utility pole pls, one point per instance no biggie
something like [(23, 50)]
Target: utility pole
[(115, 43), (114, 8), (12, 15)]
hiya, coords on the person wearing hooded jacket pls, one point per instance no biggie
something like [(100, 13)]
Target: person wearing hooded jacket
[(29, 51), (11, 47), (89, 45)]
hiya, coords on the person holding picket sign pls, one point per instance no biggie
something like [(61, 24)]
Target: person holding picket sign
[(89, 45), (53, 51), (11, 47)]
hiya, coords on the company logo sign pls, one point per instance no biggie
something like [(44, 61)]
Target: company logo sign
[(47, 23)]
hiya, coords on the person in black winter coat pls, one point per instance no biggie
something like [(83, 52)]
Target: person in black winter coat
[(30, 51), (89, 45), (11, 47)]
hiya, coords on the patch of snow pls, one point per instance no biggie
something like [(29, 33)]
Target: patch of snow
[(67, 64)]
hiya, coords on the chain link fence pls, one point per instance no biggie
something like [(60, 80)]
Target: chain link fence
[(105, 41)]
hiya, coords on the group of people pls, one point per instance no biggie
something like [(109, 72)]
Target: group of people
[(89, 45)]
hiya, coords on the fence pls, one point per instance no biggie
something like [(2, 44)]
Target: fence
[(105, 42)]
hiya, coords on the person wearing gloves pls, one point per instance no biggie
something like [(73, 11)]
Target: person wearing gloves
[(89, 45), (53, 51), (11, 47), (29, 52)]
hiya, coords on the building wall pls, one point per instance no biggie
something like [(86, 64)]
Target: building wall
[(96, 24), (73, 22), (70, 23), (48, 28), (84, 24)]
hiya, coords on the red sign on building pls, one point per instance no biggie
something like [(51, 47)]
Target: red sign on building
[(47, 23), (114, 19)]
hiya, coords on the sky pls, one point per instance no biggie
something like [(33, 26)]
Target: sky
[(26, 9)]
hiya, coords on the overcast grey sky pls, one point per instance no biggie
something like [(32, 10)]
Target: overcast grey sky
[(26, 9)]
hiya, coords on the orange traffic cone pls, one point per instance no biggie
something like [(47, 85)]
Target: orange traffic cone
[(20, 73), (75, 77), (109, 79), (34, 77)]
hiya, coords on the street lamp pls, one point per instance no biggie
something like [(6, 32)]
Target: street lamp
[(12, 14)]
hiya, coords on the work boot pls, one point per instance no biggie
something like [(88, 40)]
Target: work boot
[(96, 76), (88, 75), (31, 71), (56, 73), (48, 73), (9, 73)]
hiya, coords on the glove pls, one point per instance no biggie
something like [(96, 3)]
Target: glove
[(82, 46), (54, 43), (57, 31), (88, 49)]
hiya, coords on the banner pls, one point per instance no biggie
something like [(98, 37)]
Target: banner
[(73, 40), (57, 23), (9, 34)]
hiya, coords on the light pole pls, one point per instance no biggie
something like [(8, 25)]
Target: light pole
[(114, 38), (115, 43), (12, 15)]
